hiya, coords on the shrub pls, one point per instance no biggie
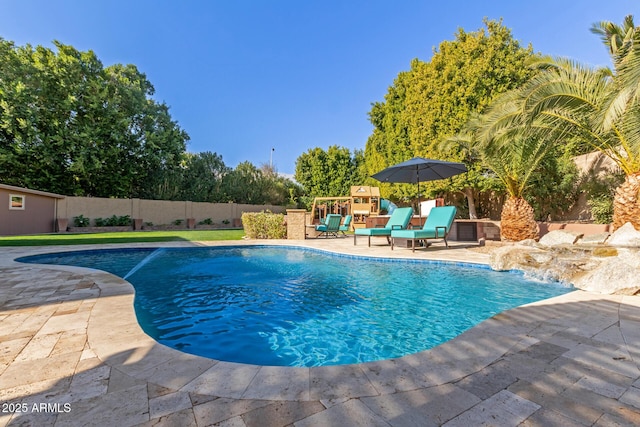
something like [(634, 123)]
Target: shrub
[(113, 221), (264, 225), (177, 222), (120, 220), (206, 221), (81, 221), (600, 191), (601, 209)]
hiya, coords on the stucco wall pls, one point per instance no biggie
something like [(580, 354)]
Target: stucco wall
[(163, 212), (157, 212), (598, 164), (36, 217), (93, 207), (218, 212)]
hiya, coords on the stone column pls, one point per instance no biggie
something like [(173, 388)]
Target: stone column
[(296, 224)]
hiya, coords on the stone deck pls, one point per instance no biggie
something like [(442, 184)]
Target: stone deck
[(72, 353)]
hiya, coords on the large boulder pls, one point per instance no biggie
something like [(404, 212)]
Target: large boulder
[(560, 238), (603, 269), (614, 275), (517, 257), (625, 236), (593, 239)]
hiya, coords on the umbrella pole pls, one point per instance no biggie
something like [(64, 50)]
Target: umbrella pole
[(419, 206)]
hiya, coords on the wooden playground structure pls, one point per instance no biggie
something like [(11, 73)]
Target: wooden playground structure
[(363, 202)]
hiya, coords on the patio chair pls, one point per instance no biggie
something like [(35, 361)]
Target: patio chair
[(331, 225), (345, 225), (436, 226), (399, 220)]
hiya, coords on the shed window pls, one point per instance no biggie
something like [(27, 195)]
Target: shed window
[(16, 201)]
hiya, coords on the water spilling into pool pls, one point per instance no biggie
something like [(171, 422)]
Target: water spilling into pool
[(286, 306), (144, 262)]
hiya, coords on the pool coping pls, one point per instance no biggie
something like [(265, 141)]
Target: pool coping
[(111, 287), (110, 316), (117, 340)]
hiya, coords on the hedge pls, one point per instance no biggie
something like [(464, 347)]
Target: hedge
[(264, 225)]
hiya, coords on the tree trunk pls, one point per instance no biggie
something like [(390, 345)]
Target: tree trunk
[(468, 192), (626, 203), (517, 221)]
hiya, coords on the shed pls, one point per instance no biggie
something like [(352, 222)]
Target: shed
[(25, 211)]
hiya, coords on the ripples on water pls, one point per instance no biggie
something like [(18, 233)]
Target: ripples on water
[(296, 307)]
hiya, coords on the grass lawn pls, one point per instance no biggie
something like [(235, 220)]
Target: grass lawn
[(122, 237)]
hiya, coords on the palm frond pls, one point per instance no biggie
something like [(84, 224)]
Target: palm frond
[(565, 100), (627, 79), (589, 104), (504, 115), (612, 35)]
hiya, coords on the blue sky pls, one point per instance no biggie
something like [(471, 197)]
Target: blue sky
[(243, 77)]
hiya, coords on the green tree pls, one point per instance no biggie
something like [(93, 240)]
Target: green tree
[(618, 38), (597, 106), (621, 115), (203, 177), (329, 173), (432, 102), (279, 190), (556, 175), (389, 143), (245, 184), (35, 112), (514, 154), (71, 126)]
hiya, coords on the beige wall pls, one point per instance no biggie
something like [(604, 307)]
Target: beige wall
[(595, 161), (600, 165), (157, 212), (36, 217), (163, 212), (218, 212), (92, 207)]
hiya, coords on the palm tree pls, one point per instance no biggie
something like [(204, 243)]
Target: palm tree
[(622, 111), (600, 106), (617, 38), (513, 153), (514, 163)]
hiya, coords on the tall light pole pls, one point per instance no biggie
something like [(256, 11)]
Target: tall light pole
[(271, 158)]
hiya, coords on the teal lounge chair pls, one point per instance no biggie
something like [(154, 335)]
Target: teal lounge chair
[(345, 225), (436, 226), (331, 225), (399, 220)]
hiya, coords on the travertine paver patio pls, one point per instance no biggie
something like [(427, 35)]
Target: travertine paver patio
[(72, 353)]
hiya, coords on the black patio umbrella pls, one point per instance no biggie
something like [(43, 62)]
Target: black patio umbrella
[(419, 170)]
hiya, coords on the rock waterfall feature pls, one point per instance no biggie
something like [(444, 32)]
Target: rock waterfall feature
[(603, 263)]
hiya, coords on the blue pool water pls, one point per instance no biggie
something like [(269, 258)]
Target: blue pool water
[(299, 307)]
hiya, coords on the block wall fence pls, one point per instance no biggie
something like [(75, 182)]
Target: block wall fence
[(158, 212)]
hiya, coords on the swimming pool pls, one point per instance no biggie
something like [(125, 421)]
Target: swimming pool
[(287, 306)]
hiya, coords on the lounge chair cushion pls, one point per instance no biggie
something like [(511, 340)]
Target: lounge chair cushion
[(374, 231), (436, 226), (419, 234), (398, 221)]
